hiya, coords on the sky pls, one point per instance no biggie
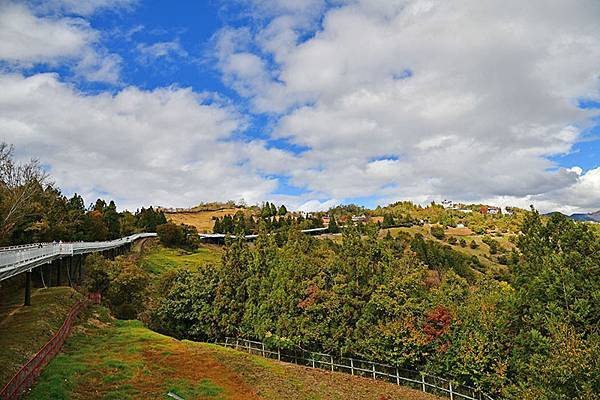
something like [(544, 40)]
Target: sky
[(311, 103)]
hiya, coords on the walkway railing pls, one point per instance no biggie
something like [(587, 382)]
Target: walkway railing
[(417, 380), (17, 259), (30, 371)]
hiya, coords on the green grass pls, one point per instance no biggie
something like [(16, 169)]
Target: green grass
[(111, 359), (27, 329), (204, 389), (157, 259), (105, 356)]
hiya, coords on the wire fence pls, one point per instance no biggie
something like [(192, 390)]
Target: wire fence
[(30, 371), (357, 367)]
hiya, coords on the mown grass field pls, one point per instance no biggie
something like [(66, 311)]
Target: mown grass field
[(157, 259), (24, 330), (111, 359), (201, 220)]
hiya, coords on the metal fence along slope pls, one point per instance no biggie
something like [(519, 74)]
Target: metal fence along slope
[(414, 379), (30, 371)]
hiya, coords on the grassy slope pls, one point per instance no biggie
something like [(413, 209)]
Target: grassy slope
[(110, 359), (157, 259), (481, 252), (202, 220), (24, 330)]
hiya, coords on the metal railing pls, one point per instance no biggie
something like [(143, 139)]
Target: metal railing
[(357, 367), (17, 259), (30, 371)]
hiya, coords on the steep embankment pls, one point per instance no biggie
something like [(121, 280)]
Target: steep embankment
[(111, 359), (24, 330)]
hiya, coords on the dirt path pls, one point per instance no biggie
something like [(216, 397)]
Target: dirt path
[(138, 247)]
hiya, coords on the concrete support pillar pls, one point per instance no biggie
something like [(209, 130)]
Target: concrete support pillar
[(58, 268), (69, 263), (42, 278), (27, 288)]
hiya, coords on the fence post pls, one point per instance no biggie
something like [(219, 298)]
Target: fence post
[(263, 349), (423, 382), (451, 392), (237, 343), (278, 354), (352, 366), (331, 357), (397, 376), (373, 364), (312, 359), (226, 339)]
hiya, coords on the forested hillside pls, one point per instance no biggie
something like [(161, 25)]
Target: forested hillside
[(532, 335), (528, 331)]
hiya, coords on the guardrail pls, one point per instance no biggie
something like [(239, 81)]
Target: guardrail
[(17, 259), (417, 380), (30, 371)]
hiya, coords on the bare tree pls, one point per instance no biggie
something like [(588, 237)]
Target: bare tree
[(20, 183)]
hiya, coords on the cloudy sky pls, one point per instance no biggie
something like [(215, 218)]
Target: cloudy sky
[(307, 102)]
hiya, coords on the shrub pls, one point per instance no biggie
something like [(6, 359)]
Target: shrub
[(437, 232), (170, 234), (128, 289), (452, 240), (96, 273), (177, 235), (473, 244), (463, 242), (493, 244)]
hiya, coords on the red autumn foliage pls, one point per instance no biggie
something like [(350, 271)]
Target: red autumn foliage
[(437, 322), (312, 291)]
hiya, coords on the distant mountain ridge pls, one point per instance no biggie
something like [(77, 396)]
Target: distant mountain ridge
[(589, 217), (595, 216)]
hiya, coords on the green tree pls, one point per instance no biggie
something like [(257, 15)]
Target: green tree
[(128, 289), (388, 221), (556, 314), (333, 226), (96, 274), (112, 220), (437, 232)]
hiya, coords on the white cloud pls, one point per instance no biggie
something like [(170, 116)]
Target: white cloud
[(99, 66), (42, 35), (316, 205), (168, 146), (81, 7), (28, 39), (465, 99), (160, 50)]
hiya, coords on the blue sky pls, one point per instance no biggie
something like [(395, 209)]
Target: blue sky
[(310, 103)]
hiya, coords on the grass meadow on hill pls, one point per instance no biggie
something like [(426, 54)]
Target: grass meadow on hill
[(114, 359), (157, 258), (201, 220)]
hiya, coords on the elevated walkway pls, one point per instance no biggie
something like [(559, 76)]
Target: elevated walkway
[(18, 259)]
